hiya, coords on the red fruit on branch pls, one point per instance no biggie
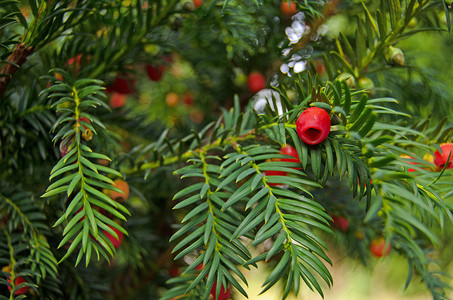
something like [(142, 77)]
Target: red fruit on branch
[(378, 247), (172, 99), (117, 196), (115, 241), (196, 115), (174, 270), (256, 82), (274, 173), (287, 150), (224, 293), (188, 99), (122, 84), (75, 60), (288, 9), (19, 280), (117, 100), (340, 222), (75, 63), (313, 125), (290, 150), (441, 159), (197, 3), (155, 73)]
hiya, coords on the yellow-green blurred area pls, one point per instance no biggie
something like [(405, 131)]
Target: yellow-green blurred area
[(432, 50), (383, 279)]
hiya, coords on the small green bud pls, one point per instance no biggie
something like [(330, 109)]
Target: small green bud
[(189, 6), (367, 84), (394, 56), (412, 23), (176, 23), (349, 78)]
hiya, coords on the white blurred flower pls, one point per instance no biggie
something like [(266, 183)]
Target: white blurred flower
[(264, 97)]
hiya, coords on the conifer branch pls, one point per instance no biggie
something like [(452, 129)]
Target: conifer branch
[(12, 64)]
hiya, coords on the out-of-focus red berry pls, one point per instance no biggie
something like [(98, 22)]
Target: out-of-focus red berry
[(188, 99), (288, 9), (115, 241), (441, 159), (123, 84), (378, 247), (256, 82), (117, 100), (19, 280), (197, 3), (224, 294), (340, 222), (155, 72)]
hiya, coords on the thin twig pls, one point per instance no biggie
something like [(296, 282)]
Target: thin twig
[(12, 64)]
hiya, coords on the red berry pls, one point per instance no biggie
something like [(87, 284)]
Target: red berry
[(58, 76), (440, 159), (123, 84), (256, 82), (117, 100), (223, 295), (172, 99), (288, 9), (123, 186), (19, 280), (196, 116), (378, 247), (320, 69), (116, 242), (155, 73), (75, 63), (84, 120), (188, 100), (174, 270), (340, 222), (313, 125), (77, 59), (197, 3), (290, 150), (274, 173)]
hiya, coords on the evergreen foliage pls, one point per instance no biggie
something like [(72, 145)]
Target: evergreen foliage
[(205, 193)]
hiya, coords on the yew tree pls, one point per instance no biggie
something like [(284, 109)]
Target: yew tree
[(156, 149)]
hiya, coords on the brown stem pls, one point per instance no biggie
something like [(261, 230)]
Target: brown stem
[(329, 10), (12, 64)]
